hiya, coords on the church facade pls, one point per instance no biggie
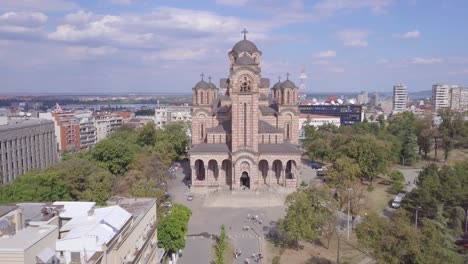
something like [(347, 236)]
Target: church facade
[(244, 134)]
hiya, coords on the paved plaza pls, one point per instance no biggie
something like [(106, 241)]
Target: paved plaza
[(257, 210)]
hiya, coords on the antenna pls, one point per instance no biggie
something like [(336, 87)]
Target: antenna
[(302, 85)]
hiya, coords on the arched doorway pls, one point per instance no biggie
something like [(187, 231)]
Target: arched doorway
[(263, 170), (200, 170), (290, 169), (245, 179), (226, 166), (277, 169)]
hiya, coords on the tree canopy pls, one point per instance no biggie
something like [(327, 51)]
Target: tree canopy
[(172, 229)]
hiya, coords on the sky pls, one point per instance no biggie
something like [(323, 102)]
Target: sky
[(161, 46)]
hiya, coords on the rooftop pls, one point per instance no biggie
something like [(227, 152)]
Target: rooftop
[(204, 147), (24, 123), (25, 238), (72, 209), (284, 148), (317, 116)]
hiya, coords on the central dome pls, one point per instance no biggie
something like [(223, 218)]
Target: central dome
[(245, 46)]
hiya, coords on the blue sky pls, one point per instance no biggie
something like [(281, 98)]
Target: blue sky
[(106, 46)]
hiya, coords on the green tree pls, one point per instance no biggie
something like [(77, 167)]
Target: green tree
[(172, 229), (221, 246), (424, 132), (403, 126), (307, 213), (114, 155), (147, 135), (319, 149), (41, 187), (84, 180), (381, 120)]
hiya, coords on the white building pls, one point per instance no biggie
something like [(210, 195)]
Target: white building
[(105, 124), (363, 98), (458, 98), (400, 98), (123, 233), (166, 114), (440, 97), (316, 121)]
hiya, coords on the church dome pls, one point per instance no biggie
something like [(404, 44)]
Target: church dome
[(212, 85), (277, 85), (288, 84), (245, 60), (245, 46), (202, 85)]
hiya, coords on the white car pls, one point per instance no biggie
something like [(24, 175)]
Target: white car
[(397, 201)]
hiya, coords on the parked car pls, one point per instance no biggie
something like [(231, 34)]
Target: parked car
[(320, 172), (314, 165), (397, 200), (190, 197)]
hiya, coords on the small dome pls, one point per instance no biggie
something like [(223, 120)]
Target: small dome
[(245, 46), (277, 85), (288, 84), (212, 85), (202, 85), (245, 60)]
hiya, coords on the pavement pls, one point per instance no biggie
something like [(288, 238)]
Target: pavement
[(411, 175), (233, 209)]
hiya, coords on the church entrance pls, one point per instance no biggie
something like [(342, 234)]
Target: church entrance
[(245, 180)]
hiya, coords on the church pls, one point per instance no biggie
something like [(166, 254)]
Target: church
[(244, 133)]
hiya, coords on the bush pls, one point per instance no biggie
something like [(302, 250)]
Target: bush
[(276, 260), (396, 175), (397, 187)]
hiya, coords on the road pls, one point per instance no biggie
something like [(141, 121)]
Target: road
[(205, 223)]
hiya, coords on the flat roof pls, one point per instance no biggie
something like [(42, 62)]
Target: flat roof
[(72, 209), (18, 123), (317, 116), (25, 238)]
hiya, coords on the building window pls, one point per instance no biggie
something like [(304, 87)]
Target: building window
[(245, 124), (245, 85), (287, 131), (202, 131)]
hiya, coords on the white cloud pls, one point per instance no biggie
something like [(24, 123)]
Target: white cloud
[(407, 35), (37, 5), (327, 54), (419, 60), (83, 51), (327, 8), (320, 62), (176, 54), (23, 24), (122, 2), (79, 17), (353, 38)]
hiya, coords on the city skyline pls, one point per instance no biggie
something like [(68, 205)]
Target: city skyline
[(140, 46)]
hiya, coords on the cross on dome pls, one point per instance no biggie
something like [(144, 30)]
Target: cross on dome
[(202, 75), (245, 33), (209, 79), (287, 76), (279, 78)]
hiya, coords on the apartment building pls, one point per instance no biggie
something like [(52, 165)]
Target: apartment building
[(25, 145), (400, 98), (166, 114)]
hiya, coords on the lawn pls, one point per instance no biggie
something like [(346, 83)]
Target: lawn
[(377, 200)]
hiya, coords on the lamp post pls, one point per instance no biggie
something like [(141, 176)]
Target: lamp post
[(416, 218), (349, 207)]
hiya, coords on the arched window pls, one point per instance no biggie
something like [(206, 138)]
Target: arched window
[(246, 85), (202, 101), (245, 124), (288, 98), (287, 131), (202, 131)]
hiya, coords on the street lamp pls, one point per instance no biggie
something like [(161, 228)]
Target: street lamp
[(349, 190), (416, 218)]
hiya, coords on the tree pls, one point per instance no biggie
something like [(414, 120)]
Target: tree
[(403, 126), (424, 132), (172, 229), (147, 135), (41, 187), (381, 120), (450, 128), (319, 149), (84, 180), (221, 246), (307, 213), (114, 155)]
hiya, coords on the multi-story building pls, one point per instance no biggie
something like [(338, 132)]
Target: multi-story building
[(120, 233), (166, 114), (105, 124), (67, 129), (374, 101), (458, 98), (87, 129), (363, 98), (244, 138), (348, 114), (400, 97), (316, 121), (25, 145), (440, 97)]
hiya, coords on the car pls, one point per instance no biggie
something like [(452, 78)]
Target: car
[(189, 197), (320, 172), (314, 165), (397, 200)]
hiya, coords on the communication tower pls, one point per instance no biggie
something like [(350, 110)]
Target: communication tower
[(302, 85)]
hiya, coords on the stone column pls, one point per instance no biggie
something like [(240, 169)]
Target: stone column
[(206, 175)]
